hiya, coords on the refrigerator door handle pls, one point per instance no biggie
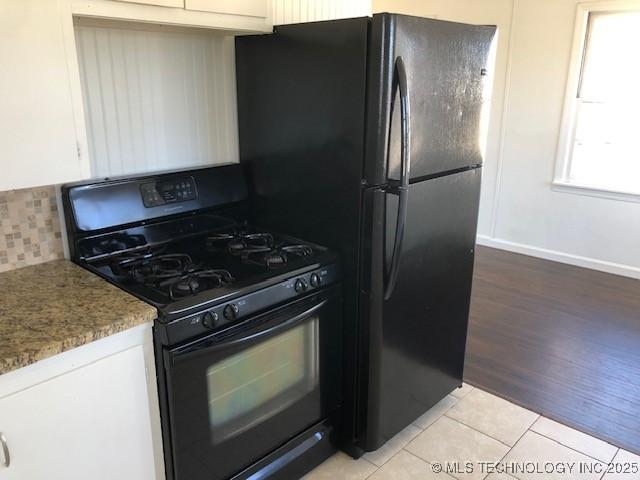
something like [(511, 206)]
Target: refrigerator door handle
[(405, 123), (405, 164)]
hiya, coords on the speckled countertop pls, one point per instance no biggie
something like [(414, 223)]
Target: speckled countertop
[(56, 306)]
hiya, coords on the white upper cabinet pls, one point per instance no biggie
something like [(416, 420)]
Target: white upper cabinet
[(232, 16), (251, 8), (158, 3), (41, 124)]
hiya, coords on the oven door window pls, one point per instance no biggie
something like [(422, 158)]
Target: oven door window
[(255, 384)]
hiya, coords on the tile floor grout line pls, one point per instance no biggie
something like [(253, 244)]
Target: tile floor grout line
[(439, 416), (509, 448), (430, 463), (362, 457), (463, 396), (514, 446), (421, 430), (604, 474), (401, 448), (372, 473), (605, 470), (579, 451), (570, 448), (376, 468), (539, 416), (485, 434), (529, 429)]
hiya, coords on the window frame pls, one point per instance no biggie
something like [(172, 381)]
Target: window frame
[(569, 122)]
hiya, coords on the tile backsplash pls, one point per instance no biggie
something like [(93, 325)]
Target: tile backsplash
[(30, 230)]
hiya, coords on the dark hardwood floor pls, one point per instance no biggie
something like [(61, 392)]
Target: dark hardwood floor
[(560, 340)]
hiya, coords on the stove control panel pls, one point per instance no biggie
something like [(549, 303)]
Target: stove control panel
[(242, 307), (179, 189)]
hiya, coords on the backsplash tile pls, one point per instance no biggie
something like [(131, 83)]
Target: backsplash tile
[(30, 230)]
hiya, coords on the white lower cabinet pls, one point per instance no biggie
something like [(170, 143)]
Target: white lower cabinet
[(92, 423)]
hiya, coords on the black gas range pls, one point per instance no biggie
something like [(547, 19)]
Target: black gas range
[(248, 336), (203, 272)]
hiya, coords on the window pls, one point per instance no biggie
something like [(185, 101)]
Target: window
[(599, 147)]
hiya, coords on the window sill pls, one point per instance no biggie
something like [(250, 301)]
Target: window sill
[(592, 191)]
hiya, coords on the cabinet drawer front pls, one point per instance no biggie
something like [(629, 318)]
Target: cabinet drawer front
[(249, 8), (160, 3)]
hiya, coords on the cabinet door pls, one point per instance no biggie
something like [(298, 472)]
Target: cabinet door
[(91, 423), (160, 3), (39, 114), (248, 8)]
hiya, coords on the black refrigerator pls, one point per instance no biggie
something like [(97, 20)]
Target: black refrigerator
[(364, 134)]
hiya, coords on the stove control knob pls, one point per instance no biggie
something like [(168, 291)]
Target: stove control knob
[(210, 319), (315, 280), (230, 312), (300, 285)]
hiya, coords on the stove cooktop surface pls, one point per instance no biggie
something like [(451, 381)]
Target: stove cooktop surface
[(198, 269)]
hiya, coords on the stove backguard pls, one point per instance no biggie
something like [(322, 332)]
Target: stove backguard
[(107, 216)]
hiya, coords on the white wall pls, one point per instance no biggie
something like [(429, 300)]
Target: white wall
[(519, 210), (601, 233), (156, 99)]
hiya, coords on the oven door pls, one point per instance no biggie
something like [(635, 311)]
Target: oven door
[(237, 395)]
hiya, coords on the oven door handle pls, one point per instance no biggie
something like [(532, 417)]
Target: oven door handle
[(196, 350)]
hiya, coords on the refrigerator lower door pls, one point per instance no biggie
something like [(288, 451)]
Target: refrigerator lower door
[(414, 344)]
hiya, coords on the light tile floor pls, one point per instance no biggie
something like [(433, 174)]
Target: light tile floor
[(473, 435)]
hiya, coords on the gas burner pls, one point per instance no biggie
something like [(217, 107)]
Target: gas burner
[(194, 282), (240, 243), (151, 267), (113, 243), (277, 257), (269, 259), (299, 250)]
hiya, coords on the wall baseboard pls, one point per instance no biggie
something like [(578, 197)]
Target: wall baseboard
[(576, 260)]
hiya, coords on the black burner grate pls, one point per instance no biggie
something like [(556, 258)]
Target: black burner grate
[(255, 248), (152, 267), (196, 282), (276, 257), (240, 242)]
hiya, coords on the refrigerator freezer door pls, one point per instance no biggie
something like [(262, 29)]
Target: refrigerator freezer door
[(446, 65), (416, 337)]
